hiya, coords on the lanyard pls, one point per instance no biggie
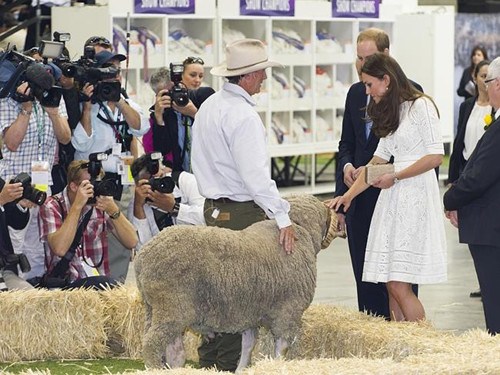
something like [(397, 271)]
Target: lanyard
[(40, 129)]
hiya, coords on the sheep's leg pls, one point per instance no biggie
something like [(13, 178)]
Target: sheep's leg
[(280, 347), (176, 356), (248, 340)]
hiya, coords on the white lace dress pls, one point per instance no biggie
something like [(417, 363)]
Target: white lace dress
[(407, 241)]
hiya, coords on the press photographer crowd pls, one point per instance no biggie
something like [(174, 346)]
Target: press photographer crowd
[(86, 176)]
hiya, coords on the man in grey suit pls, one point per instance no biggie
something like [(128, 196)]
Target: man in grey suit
[(473, 205)]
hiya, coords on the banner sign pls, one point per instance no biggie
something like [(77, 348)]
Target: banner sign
[(355, 8), (283, 8), (164, 6)]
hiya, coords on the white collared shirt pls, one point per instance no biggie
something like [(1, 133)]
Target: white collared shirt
[(229, 153)]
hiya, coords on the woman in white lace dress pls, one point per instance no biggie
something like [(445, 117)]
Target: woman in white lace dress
[(406, 244)]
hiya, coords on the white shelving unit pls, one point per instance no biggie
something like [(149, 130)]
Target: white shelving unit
[(159, 50), (325, 72)]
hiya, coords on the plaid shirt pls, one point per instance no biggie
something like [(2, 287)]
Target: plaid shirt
[(39, 128), (93, 247)]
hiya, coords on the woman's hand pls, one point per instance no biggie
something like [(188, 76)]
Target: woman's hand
[(385, 181), (339, 204)]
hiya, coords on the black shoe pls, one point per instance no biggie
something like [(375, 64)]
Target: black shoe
[(475, 294)]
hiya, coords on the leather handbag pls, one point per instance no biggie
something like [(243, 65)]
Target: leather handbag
[(375, 171)]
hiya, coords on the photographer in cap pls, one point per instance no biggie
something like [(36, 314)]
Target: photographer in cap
[(15, 216), (232, 166), (162, 198), (69, 222), (31, 128), (108, 125)]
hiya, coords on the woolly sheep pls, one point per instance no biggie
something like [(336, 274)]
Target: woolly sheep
[(212, 279)]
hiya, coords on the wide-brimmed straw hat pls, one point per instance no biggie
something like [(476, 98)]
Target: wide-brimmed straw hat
[(242, 57)]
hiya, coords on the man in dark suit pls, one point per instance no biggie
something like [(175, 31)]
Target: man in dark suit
[(473, 205), (356, 148), (11, 215)]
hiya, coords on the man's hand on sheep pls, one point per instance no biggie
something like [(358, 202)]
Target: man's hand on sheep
[(287, 238)]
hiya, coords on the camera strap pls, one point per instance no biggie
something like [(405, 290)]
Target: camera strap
[(62, 267), (121, 135)]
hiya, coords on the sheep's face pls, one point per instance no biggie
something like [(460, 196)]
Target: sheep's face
[(332, 230), (313, 215)]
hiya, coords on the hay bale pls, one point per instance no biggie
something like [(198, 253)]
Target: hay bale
[(334, 332), (124, 313), (41, 324)]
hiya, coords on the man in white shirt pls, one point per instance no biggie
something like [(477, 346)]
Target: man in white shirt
[(108, 125), (174, 200), (232, 166)]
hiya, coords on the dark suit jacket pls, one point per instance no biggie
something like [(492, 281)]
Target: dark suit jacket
[(476, 194), (354, 147), (165, 138), (457, 161), (466, 78)]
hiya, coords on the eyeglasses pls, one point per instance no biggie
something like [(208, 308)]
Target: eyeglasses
[(487, 81), (193, 60)]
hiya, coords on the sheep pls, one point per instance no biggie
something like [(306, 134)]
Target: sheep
[(212, 279)]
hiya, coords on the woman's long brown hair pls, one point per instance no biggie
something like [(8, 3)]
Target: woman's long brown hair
[(385, 114)]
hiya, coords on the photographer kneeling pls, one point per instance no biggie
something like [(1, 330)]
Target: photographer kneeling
[(15, 216), (162, 198), (66, 216)]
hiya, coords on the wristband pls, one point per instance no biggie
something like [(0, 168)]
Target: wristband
[(26, 112)]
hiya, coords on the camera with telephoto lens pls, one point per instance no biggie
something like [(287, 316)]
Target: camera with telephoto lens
[(178, 93), (29, 192), (101, 187)]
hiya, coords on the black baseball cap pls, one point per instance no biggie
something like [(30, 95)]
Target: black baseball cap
[(103, 57)]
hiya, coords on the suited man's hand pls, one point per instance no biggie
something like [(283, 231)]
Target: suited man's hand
[(453, 217), (349, 175)]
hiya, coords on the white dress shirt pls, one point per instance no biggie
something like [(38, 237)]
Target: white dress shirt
[(190, 210), (229, 153), (103, 136)]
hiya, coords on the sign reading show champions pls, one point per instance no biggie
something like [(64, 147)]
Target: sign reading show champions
[(283, 8), (355, 8), (165, 6)]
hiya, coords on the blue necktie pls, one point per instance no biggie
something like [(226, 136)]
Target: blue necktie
[(368, 128), (368, 125)]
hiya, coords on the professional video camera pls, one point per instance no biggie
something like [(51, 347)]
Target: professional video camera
[(16, 68), (162, 184), (83, 70), (178, 92), (29, 192), (101, 187)]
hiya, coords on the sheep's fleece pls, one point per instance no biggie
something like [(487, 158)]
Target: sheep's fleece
[(214, 279)]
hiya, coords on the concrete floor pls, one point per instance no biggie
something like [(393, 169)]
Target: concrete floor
[(447, 305)]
